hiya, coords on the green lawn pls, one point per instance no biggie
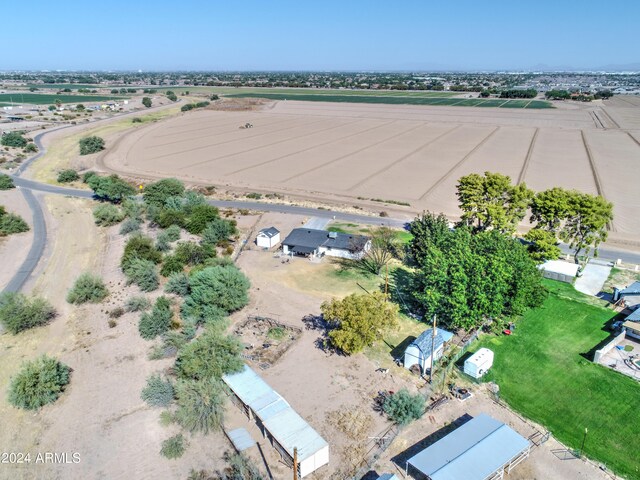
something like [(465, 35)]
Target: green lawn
[(389, 98), (543, 374), (49, 99)]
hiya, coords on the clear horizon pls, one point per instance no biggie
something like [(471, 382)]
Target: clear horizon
[(335, 37)]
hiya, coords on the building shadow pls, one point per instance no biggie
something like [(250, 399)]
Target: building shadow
[(401, 459), (398, 350)]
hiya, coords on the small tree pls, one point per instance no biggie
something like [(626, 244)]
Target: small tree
[(159, 392), (38, 383), (217, 231), (211, 355), (6, 182), (200, 405), (384, 247), (543, 246), (359, 320), (89, 145), (157, 193), (146, 101), (140, 247), (68, 176), (13, 139), (199, 218), (157, 321), (142, 273), (88, 288), (111, 188), (18, 312), (403, 408)]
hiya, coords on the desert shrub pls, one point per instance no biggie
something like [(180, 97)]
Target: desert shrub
[(178, 283), (87, 175), (403, 408), (157, 193), (19, 312), (90, 145), (173, 233), (88, 288), (6, 182), (31, 148), (107, 214), (130, 225), (173, 447), (116, 312), (211, 355), (146, 101), (240, 468), (133, 209), (67, 176), (170, 265), (162, 243), (172, 342), (254, 195), (11, 223), (111, 188), (199, 217), (38, 383), (218, 230), (190, 253), (142, 273), (215, 289), (200, 405), (141, 248), (158, 392), (166, 217), (157, 321), (137, 304), (13, 139), (112, 323)]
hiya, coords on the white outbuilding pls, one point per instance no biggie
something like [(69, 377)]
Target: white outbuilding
[(419, 351), (479, 363), (268, 237), (559, 270)]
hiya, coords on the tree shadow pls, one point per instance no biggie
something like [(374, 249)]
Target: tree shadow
[(402, 288)]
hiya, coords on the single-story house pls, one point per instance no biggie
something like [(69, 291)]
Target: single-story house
[(317, 243), (630, 295), (631, 324), (481, 449), (268, 237), (559, 270), (419, 351)]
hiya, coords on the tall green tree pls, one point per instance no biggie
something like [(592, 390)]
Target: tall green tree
[(543, 246), (428, 230), (111, 188), (158, 192), (587, 222), (492, 202)]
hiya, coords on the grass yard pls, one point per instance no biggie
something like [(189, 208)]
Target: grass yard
[(391, 99), (543, 373), (395, 342), (50, 99), (403, 236)]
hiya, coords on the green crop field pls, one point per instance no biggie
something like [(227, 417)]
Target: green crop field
[(394, 99), (544, 371), (308, 91), (71, 86), (49, 99)]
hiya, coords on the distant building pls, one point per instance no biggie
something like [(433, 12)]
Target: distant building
[(419, 351), (268, 237), (317, 243)]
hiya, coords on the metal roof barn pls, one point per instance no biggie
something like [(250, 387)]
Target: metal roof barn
[(481, 449), (280, 423)]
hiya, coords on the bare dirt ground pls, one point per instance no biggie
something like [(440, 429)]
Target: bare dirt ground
[(411, 154), (14, 248)]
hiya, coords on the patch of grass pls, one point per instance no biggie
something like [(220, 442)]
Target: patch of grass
[(564, 290), (173, 447), (276, 333), (544, 371), (393, 344)]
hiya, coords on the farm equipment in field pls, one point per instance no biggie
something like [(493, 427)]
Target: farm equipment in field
[(245, 126)]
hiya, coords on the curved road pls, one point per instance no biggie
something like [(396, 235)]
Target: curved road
[(40, 233)]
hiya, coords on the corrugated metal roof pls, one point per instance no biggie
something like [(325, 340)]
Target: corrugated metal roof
[(241, 439), (634, 316), (474, 451), (282, 422)]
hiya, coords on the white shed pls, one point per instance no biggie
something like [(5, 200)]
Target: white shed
[(559, 270), (268, 237), (479, 363), (419, 351)]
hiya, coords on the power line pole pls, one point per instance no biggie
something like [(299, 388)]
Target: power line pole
[(295, 463), (433, 344)]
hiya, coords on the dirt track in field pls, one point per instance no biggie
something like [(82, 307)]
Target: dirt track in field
[(411, 154)]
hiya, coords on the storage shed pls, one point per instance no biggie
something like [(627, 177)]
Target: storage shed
[(481, 449), (419, 351), (479, 363), (268, 237), (280, 424), (559, 270)]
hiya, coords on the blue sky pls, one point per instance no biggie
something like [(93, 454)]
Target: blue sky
[(327, 35)]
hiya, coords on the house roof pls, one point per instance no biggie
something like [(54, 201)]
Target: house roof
[(631, 325), (633, 289), (473, 451), (634, 316), (282, 422), (424, 341), (269, 232), (308, 238)]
